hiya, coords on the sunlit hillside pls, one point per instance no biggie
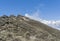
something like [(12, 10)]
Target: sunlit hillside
[(21, 28)]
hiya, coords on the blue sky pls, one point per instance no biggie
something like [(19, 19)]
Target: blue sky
[(47, 9)]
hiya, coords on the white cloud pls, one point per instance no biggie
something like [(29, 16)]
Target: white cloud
[(36, 16)]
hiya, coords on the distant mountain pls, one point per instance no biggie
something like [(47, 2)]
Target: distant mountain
[(21, 28), (56, 26)]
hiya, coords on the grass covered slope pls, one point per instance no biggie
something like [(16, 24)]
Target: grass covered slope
[(20, 28)]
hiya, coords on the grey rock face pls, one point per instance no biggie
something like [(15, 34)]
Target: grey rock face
[(20, 28)]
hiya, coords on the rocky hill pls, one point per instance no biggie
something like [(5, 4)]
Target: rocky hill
[(21, 28)]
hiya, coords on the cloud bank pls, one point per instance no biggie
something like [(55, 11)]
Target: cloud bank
[(36, 16)]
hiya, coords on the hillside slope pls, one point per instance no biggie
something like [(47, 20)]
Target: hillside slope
[(20, 28)]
